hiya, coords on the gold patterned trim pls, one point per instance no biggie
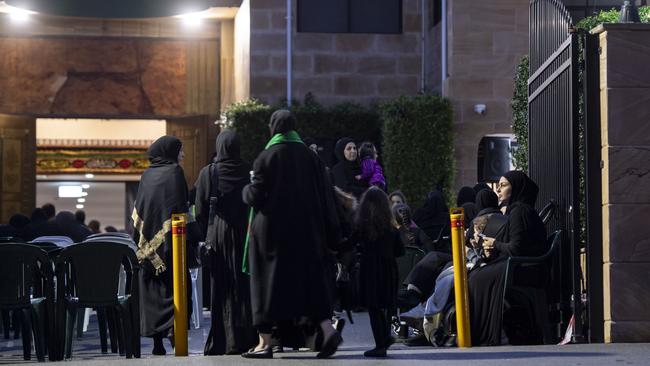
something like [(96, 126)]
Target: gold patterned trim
[(147, 249)]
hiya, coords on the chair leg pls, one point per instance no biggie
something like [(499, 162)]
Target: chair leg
[(16, 318), (6, 323), (38, 326), (120, 332), (101, 320), (25, 318), (71, 313), (112, 329), (134, 313), (81, 312), (125, 321)]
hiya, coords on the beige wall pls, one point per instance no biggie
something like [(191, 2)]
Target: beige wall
[(486, 40), (99, 129), (242, 61), (625, 141), (335, 67)]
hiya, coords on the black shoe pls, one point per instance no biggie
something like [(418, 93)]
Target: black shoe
[(266, 352), (159, 351), (375, 352), (330, 345), (340, 324), (417, 341)]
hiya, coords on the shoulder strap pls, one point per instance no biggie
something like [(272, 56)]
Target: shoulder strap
[(214, 180)]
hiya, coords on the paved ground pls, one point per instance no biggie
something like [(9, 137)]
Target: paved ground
[(357, 339)]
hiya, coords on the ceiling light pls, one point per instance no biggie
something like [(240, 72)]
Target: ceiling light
[(84, 194), (81, 200), (90, 176), (17, 14), (70, 192), (85, 186), (79, 206), (192, 19)]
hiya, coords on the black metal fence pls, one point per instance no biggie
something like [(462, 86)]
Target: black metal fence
[(553, 120)]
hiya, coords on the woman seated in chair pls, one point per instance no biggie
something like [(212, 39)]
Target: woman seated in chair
[(522, 235)]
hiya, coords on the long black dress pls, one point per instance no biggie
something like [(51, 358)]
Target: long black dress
[(231, 331), (522, 235), (344, 171), (295, 222), (162, 191)]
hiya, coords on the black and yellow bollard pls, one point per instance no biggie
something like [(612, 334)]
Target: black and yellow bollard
[(464, 338), (180, 283)]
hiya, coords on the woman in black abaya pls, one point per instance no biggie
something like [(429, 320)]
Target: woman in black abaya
[(433, 219), (162, 191), (522, 235), (347, 168), (295, 222), (231, 331)]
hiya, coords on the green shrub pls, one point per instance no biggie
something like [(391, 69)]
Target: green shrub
[(418, 152), (251, 118), (520, 115)]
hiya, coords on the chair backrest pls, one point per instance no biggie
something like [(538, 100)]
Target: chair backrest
[(113, 239), (412, 255), (25, 270), (92, 270), (547, 212), (11, 239), (62, 241), (110, 235)]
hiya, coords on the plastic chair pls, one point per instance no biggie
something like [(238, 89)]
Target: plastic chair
[(535, 289), (547, 212), (91, 274), (27, 286)]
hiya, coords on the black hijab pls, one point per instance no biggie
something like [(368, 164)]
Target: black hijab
[(282, 121), (486, 200), (465, 195), (524, 190), (162, 191), (165, 150), (231, 169), (345, 170), (433, 216), (480, 186), (19, 221)]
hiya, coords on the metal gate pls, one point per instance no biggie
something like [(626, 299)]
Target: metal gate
[(553, 132)]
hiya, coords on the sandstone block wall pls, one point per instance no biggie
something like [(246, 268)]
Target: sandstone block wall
[(625, 154), (363, 68)]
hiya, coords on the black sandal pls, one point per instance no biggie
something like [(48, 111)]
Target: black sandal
[(266, 352), (330, 345)]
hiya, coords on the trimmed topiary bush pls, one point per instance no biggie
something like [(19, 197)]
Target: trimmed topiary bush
[(418, 149), (520, 115)]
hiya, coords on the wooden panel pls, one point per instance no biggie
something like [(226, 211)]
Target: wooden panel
[(193, 132), (203, 77), (227, 64), (17, 160)]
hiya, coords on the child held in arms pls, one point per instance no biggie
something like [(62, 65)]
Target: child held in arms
[(371, 172)]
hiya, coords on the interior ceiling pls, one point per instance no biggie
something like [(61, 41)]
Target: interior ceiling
[(120, 9)]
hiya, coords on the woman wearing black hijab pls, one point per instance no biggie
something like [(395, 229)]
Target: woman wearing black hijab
[(231, 330), (347, 168), (295, 222), (162, 192), (522, 235), (433, 219), (70, 227), (465, 199)]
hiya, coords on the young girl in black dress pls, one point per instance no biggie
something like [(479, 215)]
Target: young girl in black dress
[(379, 246)]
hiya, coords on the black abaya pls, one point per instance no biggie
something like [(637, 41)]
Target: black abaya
[(344, 171), (522, 235), (162, 191), (294, 224), (231, 328)]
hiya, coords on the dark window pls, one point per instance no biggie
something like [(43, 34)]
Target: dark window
[(350, 16)]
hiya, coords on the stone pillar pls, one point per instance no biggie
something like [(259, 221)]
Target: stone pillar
[(625, 154)]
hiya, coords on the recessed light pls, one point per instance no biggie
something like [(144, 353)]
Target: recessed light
[(80, 206), (70, 192), (85, 186), (81, 200), (90, 176), (84, 194)]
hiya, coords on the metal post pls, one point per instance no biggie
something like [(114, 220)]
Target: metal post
[(464, 338), (289, 53), (180, 283)]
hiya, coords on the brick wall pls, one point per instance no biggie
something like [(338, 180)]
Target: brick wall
[(335, 67), (486, 40)]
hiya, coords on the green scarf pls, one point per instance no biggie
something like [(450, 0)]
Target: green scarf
[(279, 138)]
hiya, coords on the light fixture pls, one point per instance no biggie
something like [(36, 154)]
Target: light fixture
[(90, 176), (79, 206), (85, 186), (192, 19), (81, 200), (84, 194), (18, 14), (70, 192)]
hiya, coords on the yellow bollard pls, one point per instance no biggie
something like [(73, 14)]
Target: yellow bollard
[(464, 338), (180, 283)]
